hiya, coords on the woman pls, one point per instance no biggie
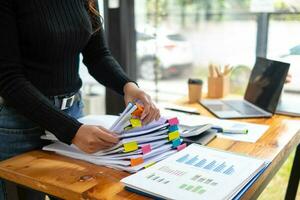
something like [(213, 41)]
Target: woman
[(40, 43)]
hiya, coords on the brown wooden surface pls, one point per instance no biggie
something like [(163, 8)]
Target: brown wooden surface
[(73, 179)]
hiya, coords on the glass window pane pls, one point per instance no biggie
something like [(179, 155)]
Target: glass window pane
[(284, 45), (189, 35), (93, 92)]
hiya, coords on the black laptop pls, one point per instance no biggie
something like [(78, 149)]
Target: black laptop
[(262, 94)]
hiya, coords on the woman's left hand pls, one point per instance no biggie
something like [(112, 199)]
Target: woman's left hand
[(132, 93), (288, 78)]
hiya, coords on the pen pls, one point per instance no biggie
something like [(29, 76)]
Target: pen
[(230, 131), (183, 111)]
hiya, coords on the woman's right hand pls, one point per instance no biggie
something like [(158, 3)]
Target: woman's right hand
[(91, 139)]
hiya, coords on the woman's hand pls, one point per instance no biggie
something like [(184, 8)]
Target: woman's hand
[(132, 93), (91, 139), (288, 78)]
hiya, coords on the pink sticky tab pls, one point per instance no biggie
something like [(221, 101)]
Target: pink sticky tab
[(173, 121), (180, 147), (146, 148)]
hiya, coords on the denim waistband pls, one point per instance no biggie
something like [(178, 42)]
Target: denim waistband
[(58, 100)]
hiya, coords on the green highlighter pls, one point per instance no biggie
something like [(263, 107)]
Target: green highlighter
[(230, 131)]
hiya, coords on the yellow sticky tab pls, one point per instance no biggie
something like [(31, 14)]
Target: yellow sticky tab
[(174, 135), (135, 123), (130, 146), (149, 165)]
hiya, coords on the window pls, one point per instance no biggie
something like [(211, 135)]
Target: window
[(284, 45), (186, 36), (189, 35), (93, 92)]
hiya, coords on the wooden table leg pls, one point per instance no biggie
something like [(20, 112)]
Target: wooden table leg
[(292, 188)]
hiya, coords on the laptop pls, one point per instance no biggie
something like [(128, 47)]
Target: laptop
[(262, 94), (289, 104), (289, 108)]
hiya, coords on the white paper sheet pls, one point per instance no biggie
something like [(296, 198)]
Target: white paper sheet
[(147, 128), (125, 111), (142, 132), (255, 131), (147, 162), (105, 121), (124, 160), (123, 119), (197, 173)]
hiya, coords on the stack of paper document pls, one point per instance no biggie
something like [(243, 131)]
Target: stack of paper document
[(198, 172), (139, 146), (255, 131)]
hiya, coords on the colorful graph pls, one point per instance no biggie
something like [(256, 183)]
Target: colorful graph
[(158, 179), (192, 188), (202, 179), (168, 170), (230, 170), (205, 163)]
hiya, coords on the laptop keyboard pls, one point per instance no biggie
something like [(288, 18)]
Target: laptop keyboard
[(242, 107)]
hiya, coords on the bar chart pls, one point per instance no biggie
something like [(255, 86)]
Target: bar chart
[(157, 178), (197, 189), (171, 171), (203, 179), (207, 164)]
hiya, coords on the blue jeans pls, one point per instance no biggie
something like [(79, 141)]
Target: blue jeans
[(18, 135)]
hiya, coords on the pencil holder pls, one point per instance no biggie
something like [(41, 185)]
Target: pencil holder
[(218, 87)]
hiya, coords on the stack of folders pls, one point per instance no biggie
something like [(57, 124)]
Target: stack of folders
[(139, 146)]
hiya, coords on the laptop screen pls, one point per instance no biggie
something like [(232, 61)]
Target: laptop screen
[(266, 83)]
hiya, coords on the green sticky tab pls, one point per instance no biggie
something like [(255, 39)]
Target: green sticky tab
[(176, 142)]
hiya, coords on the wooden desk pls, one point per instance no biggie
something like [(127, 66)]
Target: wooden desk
[(73, 179)]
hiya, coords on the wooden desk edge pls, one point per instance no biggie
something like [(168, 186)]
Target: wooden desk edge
[(48, 188), (260, 184)]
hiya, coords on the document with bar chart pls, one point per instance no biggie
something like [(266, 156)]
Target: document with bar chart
[(197, 172)]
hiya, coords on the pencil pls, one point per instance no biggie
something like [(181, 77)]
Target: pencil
[(217, 69)]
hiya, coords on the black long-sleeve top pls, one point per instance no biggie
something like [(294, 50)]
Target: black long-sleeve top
[(40, 43)]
